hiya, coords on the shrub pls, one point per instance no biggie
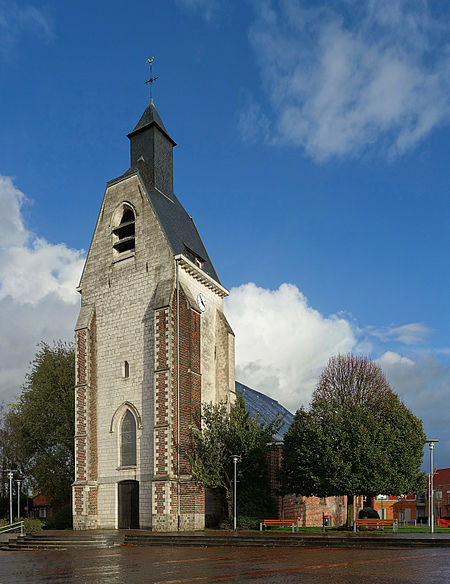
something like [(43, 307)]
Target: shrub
[(368, 513), (61, 520), (226, 524), (33, 525), (243, 522), (30, 525)]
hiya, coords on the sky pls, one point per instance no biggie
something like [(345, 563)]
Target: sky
[(313, 153)]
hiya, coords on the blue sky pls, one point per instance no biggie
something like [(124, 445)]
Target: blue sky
[(313, 144)]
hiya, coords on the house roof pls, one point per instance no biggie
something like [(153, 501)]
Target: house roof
[(40, 500), (441, 477)]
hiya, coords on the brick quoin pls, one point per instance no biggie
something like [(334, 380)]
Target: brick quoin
[(86, 456), (92, 472), (192, 496)]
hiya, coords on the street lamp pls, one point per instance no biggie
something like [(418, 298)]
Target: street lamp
[(18, 481), (10, 476), (234, 458), (431, 444)]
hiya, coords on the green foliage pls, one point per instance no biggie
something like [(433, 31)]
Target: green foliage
[(30, 525), (368, 513), (223, 434), (243, 522), (38, 430), (356, 438), (62, 519), (33, 525), (255, 500)]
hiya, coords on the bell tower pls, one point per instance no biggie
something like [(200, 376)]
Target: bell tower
[(152, 344)]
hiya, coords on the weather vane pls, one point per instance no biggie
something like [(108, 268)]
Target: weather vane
[(152, 79)]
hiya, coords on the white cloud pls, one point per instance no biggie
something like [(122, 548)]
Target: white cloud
[(253, 124), (11, 222), (38, 300), (282, 344), (409, 334), (357, 76), (21, 19), (424, 386)]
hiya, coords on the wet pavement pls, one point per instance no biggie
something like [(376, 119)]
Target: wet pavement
[(176, 565)]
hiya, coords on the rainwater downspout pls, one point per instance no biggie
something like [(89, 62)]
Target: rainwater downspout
[(178, 397)]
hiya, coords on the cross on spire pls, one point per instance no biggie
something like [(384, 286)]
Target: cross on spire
[(152, 79)]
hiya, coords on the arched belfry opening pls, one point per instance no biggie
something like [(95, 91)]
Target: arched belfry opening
[(124, 233)]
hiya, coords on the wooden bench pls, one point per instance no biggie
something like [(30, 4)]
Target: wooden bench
[(279, 523), (376, 523)]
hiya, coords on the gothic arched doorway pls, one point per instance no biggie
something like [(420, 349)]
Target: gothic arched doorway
[(128, 499)]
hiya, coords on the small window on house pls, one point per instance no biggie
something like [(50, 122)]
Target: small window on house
[(125, 232), (125, 369), (43, 512), (128, 435)]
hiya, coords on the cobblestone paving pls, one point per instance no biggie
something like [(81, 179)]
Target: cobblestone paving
[(133, 565)]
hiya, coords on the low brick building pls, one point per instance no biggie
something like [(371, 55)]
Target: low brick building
[(308, 511), (410, 508), (401, 507), (441, 491)]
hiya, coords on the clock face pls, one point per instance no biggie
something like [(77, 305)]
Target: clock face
[(201, 302)]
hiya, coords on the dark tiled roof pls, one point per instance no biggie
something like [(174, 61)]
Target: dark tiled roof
[(266, 407), (180, 229), (150, 117), (177, 225)]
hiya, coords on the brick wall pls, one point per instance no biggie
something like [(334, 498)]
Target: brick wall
[(308, 511)]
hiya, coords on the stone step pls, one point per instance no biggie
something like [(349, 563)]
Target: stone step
[(62, 541), (285, 541)]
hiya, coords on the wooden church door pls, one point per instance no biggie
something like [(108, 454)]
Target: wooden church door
[(128, 505)]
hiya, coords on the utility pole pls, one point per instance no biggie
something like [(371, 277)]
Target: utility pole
[(235, 458), (18, 481), (10, 477), (431, 444)]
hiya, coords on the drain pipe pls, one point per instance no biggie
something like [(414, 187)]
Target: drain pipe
[(178, 397)]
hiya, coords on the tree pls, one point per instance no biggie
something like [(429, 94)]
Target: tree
[(224, 433), (38, 429), (357, 437)]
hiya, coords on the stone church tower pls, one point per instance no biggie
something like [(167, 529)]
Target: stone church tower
[(152, 344)]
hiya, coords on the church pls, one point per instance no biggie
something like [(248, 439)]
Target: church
[(152, 344)]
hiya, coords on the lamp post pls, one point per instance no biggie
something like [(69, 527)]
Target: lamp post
[(234, 458), (10, 476), (431, 444), (18, 481)]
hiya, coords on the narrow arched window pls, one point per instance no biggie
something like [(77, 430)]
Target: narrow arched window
[(125, 232), (128, 454)]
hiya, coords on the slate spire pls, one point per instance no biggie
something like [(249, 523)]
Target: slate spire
[(150, 141)]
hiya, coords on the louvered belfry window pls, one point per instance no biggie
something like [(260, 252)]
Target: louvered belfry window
[(128, 457), (125, 232)]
